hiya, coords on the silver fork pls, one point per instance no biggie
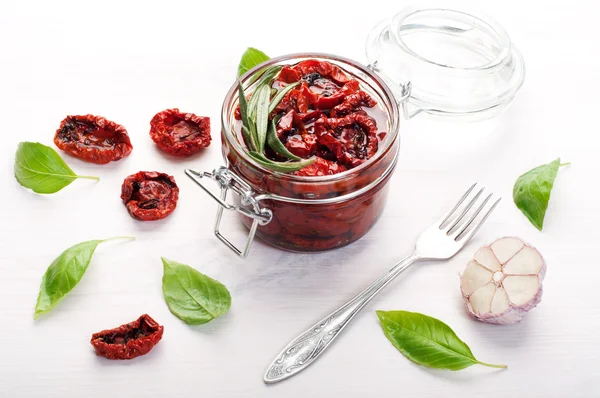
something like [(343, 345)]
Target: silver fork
[(441, 241)]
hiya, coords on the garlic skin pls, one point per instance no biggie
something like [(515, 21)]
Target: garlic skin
[(503, 281)]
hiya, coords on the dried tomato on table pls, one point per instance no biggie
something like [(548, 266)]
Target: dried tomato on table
[(149, 195), (93, 139), (128, 341), (180, 133)]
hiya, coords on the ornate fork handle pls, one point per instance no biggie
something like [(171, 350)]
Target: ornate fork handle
[(306, 348)]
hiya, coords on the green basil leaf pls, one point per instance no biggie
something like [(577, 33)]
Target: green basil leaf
[(282, 167), (192, 296), (277, 99), (276, 144), (39, 168), (262, 115), (531, 191), (427, 341), (250, 59), (64, 274)]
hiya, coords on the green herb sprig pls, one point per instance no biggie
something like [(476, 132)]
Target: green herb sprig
[(258, 131)]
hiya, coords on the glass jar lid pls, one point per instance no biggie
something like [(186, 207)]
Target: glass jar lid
[(446, 63)]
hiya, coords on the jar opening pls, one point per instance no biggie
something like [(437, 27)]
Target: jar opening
[(372, 82)]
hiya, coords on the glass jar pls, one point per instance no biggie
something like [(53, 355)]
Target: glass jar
[(447, 64), (301, 213)]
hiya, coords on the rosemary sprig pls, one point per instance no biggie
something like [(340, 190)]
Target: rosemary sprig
[(279, 96), (282, 167), (257, 130), (276, 144)]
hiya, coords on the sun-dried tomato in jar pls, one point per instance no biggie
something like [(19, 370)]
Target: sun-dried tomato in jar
[(347, 119), (149, 195), (179, 133), (129, 340), (93, 139)]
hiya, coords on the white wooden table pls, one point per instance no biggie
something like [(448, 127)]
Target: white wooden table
[(127, 62)]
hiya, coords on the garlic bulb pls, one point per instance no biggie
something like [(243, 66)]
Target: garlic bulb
[(503, 281)]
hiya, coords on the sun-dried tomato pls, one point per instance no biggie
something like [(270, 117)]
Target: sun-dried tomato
[(352, 138), (130, 340), (179, 133), (149, 195), (324, 85), (291, 131), (353, 102), (321, 167), (294, 100), (315, 70), (310, 116), (288, 75), (93, 139)]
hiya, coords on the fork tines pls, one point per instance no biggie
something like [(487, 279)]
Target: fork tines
[(467, 216)]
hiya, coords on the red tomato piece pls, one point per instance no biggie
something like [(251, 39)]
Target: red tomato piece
[(294, 100), (321, 167), (323, 68), (288, 75), (149, 195), (353, 102), (179, 133), (330, 99), (352, 139), (323, 84), (296, 138), (93, 139), (129, 340)]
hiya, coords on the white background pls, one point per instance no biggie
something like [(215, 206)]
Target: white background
[(127, 61)]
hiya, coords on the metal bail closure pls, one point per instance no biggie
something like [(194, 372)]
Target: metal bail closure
[(401, 91), (249, 204)]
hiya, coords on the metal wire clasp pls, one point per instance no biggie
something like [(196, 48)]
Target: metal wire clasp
[(401, 91), (249, 204)]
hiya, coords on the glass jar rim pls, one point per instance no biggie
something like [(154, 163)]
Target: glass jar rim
[(492, 27), (386, 93)]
